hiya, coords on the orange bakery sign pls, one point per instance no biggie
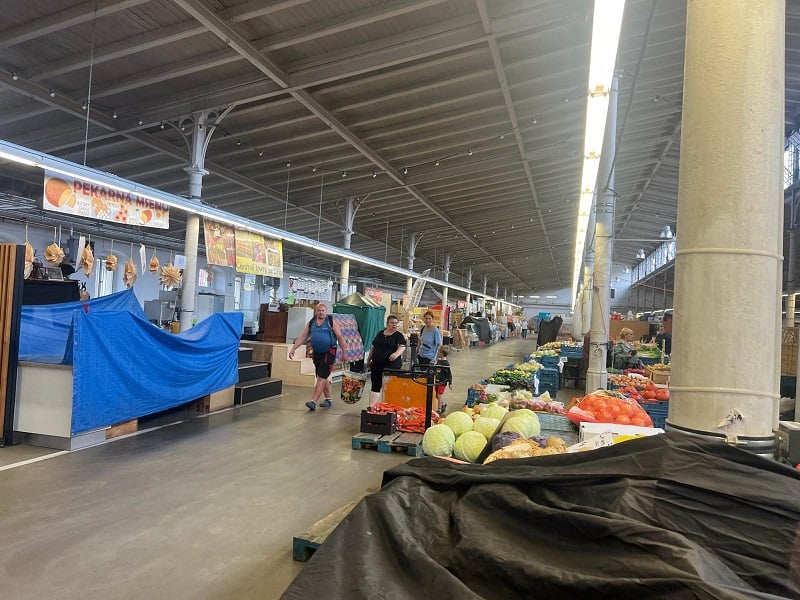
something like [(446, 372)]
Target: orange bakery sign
[(85, 199)]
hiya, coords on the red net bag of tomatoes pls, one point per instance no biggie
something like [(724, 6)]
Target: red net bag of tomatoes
[(605, 406)]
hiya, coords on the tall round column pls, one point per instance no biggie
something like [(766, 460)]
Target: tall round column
[(726, 332)]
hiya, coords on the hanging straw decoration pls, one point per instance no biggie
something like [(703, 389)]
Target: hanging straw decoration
[(87, 257), (54, 254), (29, 253), (111, 260), (154, 264), (129, 272)]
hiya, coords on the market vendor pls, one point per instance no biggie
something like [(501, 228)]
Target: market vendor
[(664, 340), (625, 354)]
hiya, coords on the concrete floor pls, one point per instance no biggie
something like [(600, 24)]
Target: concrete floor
[(202, 509)]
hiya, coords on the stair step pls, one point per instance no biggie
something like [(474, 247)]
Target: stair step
[(252, 371), (250, 391), (245, 355)]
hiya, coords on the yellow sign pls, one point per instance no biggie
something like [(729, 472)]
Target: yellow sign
[(258, 255), (84, 199)]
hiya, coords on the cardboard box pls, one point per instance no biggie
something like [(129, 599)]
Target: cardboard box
[(590, 430), (659, 377)]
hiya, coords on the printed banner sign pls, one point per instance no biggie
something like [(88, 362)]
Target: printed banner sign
[(374, 293), (220, 244), (258, 255), (84, 199)]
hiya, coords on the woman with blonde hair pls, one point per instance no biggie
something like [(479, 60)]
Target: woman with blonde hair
[(625, 352)]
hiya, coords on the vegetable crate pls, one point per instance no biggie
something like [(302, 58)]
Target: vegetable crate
[(551, 389), (380, 424), (473, 397), (658, 412), (572, 351), (548, 361), (554, 422), (549, 377)]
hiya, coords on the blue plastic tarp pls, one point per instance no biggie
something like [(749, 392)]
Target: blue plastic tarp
[(124, 367), (45, 334)]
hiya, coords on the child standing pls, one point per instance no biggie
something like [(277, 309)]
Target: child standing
[(444, 378)]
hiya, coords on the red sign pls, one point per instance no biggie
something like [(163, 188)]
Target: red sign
[(375, 294)]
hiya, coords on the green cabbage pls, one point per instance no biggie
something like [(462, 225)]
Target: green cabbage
[(469, 446), (438, 441), (524, 412), (494, 411), (459, 422), (486, 426), (524, 425)]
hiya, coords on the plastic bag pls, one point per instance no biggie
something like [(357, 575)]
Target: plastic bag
[(352, 386)]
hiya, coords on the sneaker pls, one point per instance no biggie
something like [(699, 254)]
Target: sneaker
[(442, 410), (312, 406), (327, 403)]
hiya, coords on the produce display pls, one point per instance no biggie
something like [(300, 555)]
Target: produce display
[(605, 406), (552, 346), (516, 378), (522, 448), (636, 381)]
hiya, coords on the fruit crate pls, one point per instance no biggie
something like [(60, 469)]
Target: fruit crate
[(658, 412), (572, 351)]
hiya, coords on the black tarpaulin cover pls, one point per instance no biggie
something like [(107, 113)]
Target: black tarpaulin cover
[(658, 517)]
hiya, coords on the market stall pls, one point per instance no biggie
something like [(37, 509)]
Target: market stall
[(87, 365)]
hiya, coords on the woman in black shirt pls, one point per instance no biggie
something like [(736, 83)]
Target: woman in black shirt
[(386, 352)]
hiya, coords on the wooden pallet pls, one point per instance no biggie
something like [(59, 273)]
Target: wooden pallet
[(410, 443), (305, 544)]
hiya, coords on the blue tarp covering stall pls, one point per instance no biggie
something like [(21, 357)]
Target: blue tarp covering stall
[(123, 367), (45, 333)]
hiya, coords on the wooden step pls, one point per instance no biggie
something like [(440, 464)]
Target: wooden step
[(250, 391), (252, 371), (245, 355)]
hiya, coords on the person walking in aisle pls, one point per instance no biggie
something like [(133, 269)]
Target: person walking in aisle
[(523, 327), (386, 352), (430, 340), (324, 333)]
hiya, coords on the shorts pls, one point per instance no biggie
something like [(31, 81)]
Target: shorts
[(440, 389), (323, 363)]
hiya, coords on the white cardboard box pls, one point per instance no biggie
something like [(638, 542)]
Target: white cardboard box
[(590, 430)]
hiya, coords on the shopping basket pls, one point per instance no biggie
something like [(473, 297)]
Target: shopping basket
[(352, 386)]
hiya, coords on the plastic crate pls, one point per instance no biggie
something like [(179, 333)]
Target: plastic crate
[(548, 375), (658, 412), (548, 361), (473, 397), (553, 422), (552, 389), (572, 351)]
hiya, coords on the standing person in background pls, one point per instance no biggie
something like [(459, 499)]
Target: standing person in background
[(664, 340), (324, 333), (444, 378), (430, 340), (510, 325), (386, 352), (625, 352), (524, 328)]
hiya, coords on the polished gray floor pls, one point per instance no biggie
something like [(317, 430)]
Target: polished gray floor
[(201, 509)]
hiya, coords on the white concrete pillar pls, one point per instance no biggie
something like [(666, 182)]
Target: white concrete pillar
[(577, 317), (596, 374), (730, 219), (446, 277), (788, 319)]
